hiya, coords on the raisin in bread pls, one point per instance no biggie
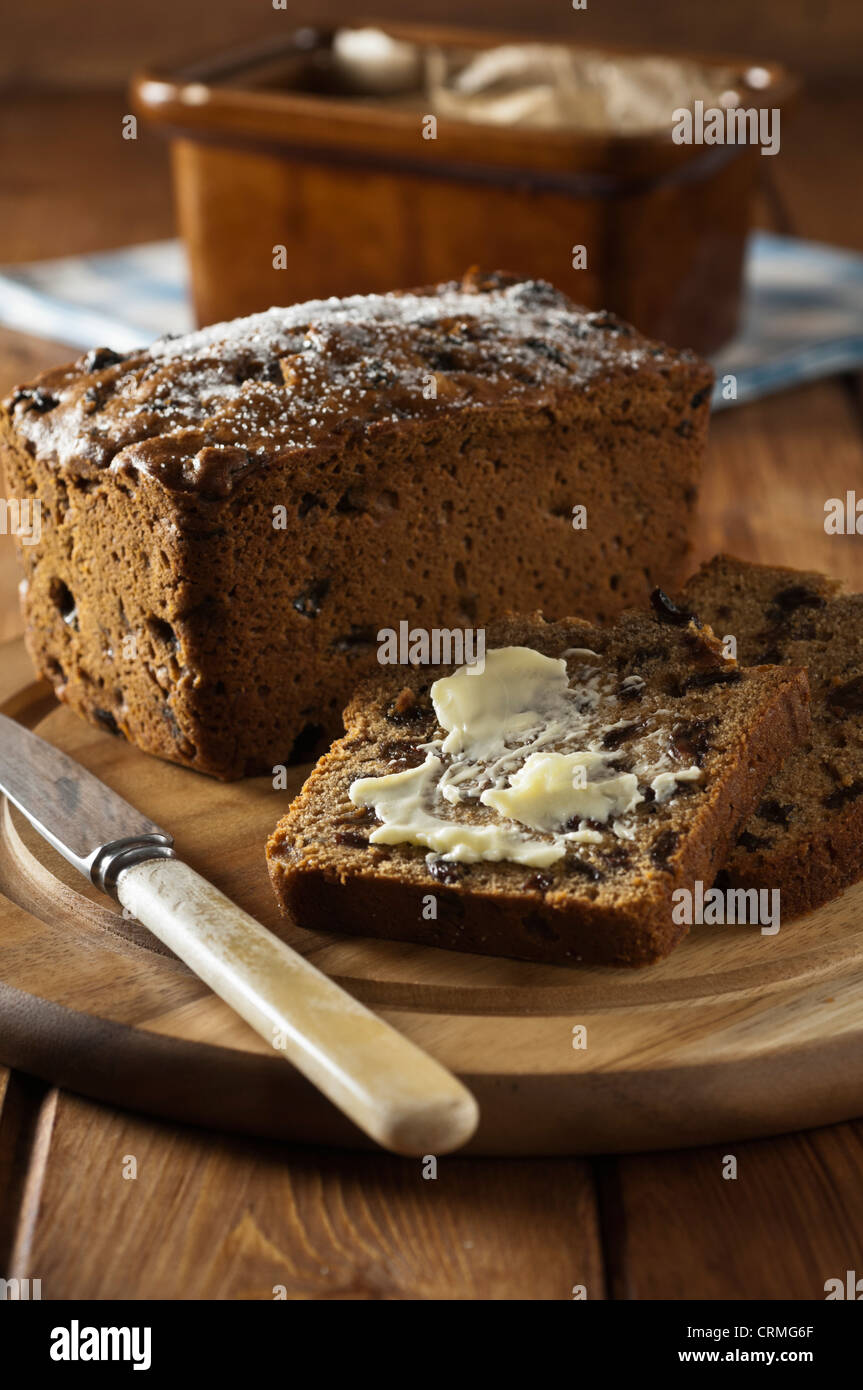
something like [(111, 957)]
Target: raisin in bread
[(230, 517), (555, 801), (806, 837)]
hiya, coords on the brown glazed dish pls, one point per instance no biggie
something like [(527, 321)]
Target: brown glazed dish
[(266, 154)]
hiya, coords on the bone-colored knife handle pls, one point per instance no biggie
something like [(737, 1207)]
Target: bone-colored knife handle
[(388, 1086)]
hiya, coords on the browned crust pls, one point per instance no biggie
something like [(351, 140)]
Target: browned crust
[(224, 701), (540, 927)]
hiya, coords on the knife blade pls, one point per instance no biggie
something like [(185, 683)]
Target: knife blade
[(396, 1093), (76, 813)]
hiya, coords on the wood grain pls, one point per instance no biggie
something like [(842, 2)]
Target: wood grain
[(734, 1034), (26, 1116), (791, 1219), (210, 1217), (771, 467), (391, 1089)]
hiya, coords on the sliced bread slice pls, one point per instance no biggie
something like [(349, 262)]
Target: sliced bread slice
[(806, 836), (548, 807)]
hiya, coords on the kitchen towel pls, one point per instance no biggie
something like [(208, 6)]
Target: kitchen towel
[(802, 316)]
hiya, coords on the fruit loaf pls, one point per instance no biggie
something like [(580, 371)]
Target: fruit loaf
[(546, 806), (230, 517)]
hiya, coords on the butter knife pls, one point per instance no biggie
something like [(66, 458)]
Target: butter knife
[(388, 1086)]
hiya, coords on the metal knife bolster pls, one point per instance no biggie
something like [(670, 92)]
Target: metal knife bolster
[(105, 865), (88, 823)]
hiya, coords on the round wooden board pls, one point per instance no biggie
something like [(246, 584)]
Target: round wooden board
[(736, 1035)]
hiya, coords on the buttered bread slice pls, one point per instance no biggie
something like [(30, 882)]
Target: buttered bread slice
[(545, 802)]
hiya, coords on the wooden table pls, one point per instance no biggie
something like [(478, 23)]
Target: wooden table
[(209, 1216)]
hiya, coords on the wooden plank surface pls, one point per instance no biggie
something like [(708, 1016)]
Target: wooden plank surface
[(792, 1218), (212, 1217), (771, 467)]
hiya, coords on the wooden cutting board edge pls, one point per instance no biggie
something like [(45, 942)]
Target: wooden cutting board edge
[(628, 1111), (751, 1075)]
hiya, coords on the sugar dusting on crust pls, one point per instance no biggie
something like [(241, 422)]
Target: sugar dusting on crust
[(201, 410)]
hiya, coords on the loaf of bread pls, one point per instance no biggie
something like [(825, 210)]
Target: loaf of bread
[(229, 518), (546, 809), (806, 837)]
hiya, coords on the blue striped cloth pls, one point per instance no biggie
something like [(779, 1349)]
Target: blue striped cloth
[(120, 299), (802, 319)]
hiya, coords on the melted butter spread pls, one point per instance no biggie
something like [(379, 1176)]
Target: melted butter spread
[(401, 801), (547, 791), (484, 710), (523, 759)]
